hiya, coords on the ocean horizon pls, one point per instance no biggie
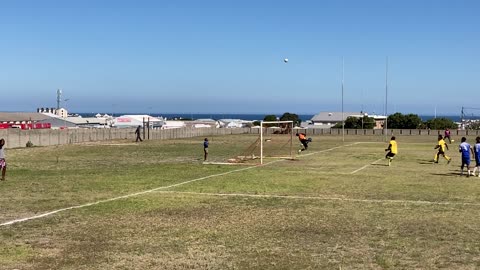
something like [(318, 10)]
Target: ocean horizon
[(253, 117)]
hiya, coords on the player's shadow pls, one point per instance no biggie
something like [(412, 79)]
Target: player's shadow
[(378, 164), (447, 174), (425, 162)]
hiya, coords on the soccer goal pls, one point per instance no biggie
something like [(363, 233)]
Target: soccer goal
[(275, 140)]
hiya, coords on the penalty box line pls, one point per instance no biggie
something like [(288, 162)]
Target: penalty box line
[(146, 191), (245, 195)]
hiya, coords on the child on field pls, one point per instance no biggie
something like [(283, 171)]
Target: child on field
[(205, 149), (465, 148), (441, 146), (302, 137), (392, 150), (476, 150), (3, 162)]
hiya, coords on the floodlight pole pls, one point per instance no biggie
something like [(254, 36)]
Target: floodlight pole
[(343, 116), (386, 99)]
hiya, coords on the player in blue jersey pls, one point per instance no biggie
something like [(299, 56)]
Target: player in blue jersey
[(465, 148), (476, 150)]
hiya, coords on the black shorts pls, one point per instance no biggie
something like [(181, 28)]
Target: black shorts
[(390, 154)]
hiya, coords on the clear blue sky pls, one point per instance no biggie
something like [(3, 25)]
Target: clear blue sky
[(227, 56)]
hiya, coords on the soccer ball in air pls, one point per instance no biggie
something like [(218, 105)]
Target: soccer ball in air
[(285, 60), (453, 140)]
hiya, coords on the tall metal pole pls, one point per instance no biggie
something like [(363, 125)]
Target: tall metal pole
[(343, 117), (59, 98), (386, 99)]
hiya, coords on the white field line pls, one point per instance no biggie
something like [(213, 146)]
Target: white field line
[(147, 191), (357, 170), (326, 150), (318, 198)]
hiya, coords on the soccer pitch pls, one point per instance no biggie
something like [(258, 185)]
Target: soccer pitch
[(154, 205)]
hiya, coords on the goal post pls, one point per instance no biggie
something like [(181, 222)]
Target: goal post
[(277, 129), (273, 140)]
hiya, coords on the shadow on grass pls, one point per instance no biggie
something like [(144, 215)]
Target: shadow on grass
[(377, 164), (430, 162), (448, 174)]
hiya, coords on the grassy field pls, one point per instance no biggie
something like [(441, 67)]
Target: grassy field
[(154, 205)]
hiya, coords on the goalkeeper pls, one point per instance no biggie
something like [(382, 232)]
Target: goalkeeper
[(303, 140)]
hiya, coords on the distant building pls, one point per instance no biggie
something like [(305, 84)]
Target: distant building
[(126, 121), (234, 123), (25, 120), (330, 119), (62, 112)]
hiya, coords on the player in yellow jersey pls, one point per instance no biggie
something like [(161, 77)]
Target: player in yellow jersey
[(441, 146), (392, 150)]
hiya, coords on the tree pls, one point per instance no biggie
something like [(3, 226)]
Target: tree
[(268, 118), (409, 121), (357, 123), (291, 117), (440, 123)]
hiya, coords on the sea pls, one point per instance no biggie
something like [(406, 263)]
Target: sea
[(253, 117)]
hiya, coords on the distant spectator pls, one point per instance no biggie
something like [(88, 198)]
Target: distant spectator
[(205, 149), (3, 162), (137, 132)]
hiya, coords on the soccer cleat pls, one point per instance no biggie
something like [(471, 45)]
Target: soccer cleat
[(448, 162)]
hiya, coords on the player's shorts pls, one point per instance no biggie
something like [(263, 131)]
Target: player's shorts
[(390, 154), (441, 152), (466, 161), (3, 163)]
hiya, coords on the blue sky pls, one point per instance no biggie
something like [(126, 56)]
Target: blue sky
[(227, 56)]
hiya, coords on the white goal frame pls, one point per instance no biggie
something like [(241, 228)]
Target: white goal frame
[(275, 122)]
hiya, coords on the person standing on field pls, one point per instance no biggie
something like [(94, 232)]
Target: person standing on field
[(441, 146), (3, 162), (447, 135), (476, 151), (392, 150), (205, 149), (465, 148), (137, 133)]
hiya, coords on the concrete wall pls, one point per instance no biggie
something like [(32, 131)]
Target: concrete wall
[(44, 137)]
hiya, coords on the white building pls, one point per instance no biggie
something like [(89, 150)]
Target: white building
[(128, 121)]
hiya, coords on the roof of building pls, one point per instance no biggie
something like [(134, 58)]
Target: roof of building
[(87, 120), (22, 116), (332, 116)]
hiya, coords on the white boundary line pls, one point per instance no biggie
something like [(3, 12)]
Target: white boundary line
[(357, 170), (326, 150), (317, 198), (150, 191)]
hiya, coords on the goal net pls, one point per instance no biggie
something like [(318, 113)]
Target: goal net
[(275, 140)]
